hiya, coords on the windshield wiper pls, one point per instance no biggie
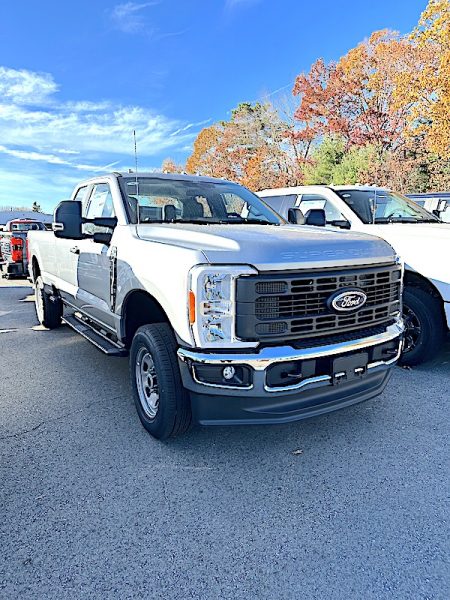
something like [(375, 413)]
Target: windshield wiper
[(173, 221), (206, 221), (256, 222), (396, 220)]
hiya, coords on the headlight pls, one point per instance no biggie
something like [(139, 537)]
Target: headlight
[(212, 305)]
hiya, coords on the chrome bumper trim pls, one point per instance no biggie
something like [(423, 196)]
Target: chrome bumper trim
[(270, 355), (319, 379), (327, 378)]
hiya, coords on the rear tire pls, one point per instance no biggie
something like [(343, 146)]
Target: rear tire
[(425, 327), (162, 403), (49, 312)]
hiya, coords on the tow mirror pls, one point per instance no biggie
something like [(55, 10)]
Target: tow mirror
[(102, 238), (295, 216), (67, 220), (315, 216), (342, 223), (103, 221), (68, 223)]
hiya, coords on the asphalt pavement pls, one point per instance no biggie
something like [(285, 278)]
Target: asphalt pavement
[(352, 505)]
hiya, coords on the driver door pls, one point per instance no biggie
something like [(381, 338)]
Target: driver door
[(95, 260)]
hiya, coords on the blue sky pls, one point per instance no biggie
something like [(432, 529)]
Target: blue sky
[(77, 77)]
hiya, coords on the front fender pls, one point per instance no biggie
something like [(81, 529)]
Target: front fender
[(162, 271)]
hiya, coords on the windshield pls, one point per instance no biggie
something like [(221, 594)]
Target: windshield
[(380, 206), (154, 200)]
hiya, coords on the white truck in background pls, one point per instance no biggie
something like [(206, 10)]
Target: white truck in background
[(228, 313), (437, 203), (419, 237)]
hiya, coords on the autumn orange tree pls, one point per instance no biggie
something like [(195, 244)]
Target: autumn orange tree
[(380, 114), (252, 148), (354, 98), (424, 86), (170, 166)]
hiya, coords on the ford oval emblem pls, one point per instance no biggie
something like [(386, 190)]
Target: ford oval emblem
[(347, 300)]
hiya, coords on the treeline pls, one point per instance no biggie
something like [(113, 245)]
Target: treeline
[(381, 114), (34, 208)]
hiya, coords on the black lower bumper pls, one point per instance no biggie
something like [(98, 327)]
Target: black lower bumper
[(282, 384), (211, 409)]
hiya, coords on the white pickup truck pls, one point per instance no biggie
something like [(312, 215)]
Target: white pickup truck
[(228, 313), (419, 237)]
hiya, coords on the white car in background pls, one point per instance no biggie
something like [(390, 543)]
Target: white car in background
[(419, 237)]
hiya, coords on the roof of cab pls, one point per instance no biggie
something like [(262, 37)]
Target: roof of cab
[(156, 175), (298, 189), (364, 188)]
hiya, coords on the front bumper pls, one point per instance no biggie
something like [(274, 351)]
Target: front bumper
[(321, 390), (12, 268)]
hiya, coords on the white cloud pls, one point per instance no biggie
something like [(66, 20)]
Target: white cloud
[(39, 131), (25, 87), (86, 106), (34, 184), (128, 17), (189, 126), (81, 127), (52, 159), (65, 151)]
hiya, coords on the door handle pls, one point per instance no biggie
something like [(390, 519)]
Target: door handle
[(75, 250)]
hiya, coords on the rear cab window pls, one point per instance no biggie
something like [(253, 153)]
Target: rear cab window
[(281, 204), (313, 201)]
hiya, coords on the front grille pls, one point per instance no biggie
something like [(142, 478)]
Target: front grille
[(290, 305)]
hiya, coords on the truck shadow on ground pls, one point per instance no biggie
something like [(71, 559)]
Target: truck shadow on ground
[(373, 424)]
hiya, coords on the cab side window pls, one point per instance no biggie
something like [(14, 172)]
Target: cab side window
[(311, 201), (281, 204), (100, 205), (82, 196)]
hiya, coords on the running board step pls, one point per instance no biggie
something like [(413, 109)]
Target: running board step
[(95, 337)]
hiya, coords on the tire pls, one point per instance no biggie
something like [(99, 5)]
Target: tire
[(425, 328), (49, 312), (162, 403)]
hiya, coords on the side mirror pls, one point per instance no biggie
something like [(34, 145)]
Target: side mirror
[(103, 221), (67, 220), (68, 223), (342, 223), (315, 216), (295, 216), (102, 238)]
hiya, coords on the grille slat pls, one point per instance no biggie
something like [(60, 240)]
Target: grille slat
[(286, 305)]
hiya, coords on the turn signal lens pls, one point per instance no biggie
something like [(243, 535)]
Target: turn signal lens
[(191, 301)]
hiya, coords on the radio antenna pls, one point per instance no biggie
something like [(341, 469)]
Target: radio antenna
[(135, 154), (136, 173)]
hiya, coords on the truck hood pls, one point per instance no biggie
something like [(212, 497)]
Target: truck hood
[(269, 247), (425, 248)]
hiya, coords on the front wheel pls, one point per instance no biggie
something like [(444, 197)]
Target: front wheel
[(424, 326), (48, 310), (162, 403)]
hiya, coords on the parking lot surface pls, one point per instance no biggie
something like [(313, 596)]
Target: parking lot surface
[(349, 505)]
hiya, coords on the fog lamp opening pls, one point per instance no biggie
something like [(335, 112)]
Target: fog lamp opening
[(219, 375)]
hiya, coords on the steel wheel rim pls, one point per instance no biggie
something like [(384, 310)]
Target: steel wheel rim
[(413, 330), (147, 383), (39, 303)]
